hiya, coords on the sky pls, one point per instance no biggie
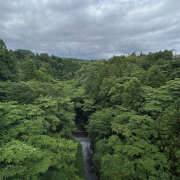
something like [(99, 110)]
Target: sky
[(90, 29)]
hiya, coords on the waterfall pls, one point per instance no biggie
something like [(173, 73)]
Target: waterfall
[(87, 154)]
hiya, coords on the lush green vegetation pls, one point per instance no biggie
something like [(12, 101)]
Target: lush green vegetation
[(129, 105), (136, 122), (37, 117)]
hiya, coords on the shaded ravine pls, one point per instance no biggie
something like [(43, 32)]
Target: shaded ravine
[(87, 155)]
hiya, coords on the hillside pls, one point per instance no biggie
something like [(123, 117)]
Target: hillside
[(130, 106)]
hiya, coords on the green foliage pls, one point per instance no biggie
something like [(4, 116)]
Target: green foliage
[(34, 125), (133, 93), (138, 160), (22, 54), (20, 92), (8, 65), (135, 127), (166, 55), (130, 106), (99, 124), (79, 162), (2, 44), (19, 160), (28, 70), (132, 152), (155, 77)]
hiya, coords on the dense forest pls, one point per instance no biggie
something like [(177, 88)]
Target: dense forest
[(129, 105)]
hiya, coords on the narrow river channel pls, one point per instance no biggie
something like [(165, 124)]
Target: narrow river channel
[(87, 155)]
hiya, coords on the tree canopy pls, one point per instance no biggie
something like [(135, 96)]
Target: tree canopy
[(129, 105)]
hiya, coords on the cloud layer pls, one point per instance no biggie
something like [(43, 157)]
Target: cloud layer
[(90, 29)]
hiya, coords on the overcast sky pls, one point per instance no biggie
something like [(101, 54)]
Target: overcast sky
[(90, 29)]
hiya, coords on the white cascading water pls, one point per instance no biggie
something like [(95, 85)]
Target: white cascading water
[(87, 153)]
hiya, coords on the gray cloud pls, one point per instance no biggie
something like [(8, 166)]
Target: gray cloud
[(90, 28)]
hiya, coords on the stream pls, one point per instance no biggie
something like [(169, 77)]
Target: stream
[(87, 155)]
